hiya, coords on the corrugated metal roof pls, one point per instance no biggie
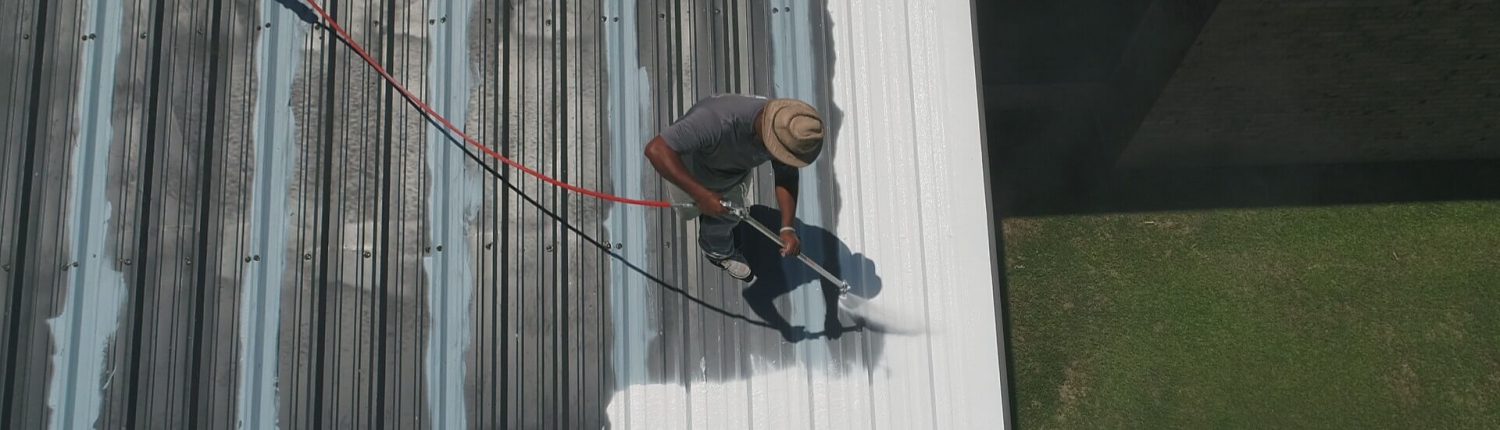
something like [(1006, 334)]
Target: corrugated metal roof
[(214, 215)]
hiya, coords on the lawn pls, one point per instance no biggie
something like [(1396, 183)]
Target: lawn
[(1327, 317)]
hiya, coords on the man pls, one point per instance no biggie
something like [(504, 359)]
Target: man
[(709, 153)]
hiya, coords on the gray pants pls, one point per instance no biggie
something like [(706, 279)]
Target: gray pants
[(715, 234)]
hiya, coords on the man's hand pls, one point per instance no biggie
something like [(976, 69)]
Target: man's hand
[(711, 204), (791, 246)]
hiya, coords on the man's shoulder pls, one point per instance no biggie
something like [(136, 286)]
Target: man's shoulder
[(734, 99), (736, 96), (740, 107)]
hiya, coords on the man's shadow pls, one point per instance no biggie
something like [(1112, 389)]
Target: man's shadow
[(777, 275)]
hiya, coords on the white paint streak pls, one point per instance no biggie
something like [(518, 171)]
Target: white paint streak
[(278, 54), (794, 76), (629, 108), (452, 206), (96, 291)]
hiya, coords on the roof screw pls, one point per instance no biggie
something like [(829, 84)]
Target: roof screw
[(268, 25), (773, 10), (661, 16), (367, 254), (6, 267), (490, 245), (669, 244), (444, 20), (377, 23), (307, 256), (200, 31), (143, 35), (617, 19), (787, 9), (549, 248), (431, 21), (427, 250), (548, 22), (489, 20), (440, 248), (93, 36), (75, 264), (26, 36), (126, 262), (257, 258), (189, 261), (619, 246), (83, 37), (602, 18), (247, 259), (716, 11)]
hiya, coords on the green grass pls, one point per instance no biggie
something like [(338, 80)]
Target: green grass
[(1338, 317)]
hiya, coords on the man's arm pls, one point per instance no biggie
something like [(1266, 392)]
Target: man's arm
[(787, 179), (669, 165)]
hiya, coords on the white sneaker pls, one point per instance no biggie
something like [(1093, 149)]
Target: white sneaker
[(735, 266)]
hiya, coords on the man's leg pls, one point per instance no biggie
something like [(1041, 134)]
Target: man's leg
[(716, 239), (716, 236)]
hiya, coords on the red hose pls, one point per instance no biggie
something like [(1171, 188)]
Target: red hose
[(339, 30)]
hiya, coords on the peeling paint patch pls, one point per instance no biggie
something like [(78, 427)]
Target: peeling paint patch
[(452, 205), (278, 56), (96, 291)]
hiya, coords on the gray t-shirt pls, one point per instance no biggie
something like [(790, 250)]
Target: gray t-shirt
[(717, 142)]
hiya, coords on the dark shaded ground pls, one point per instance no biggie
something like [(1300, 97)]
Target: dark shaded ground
[(1271, 104), (1157, 189)]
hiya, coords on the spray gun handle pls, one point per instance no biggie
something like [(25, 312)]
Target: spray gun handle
[(744, 214), (733, 210), (736, 211)]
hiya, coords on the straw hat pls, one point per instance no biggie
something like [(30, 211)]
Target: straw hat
[(792, 131)]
